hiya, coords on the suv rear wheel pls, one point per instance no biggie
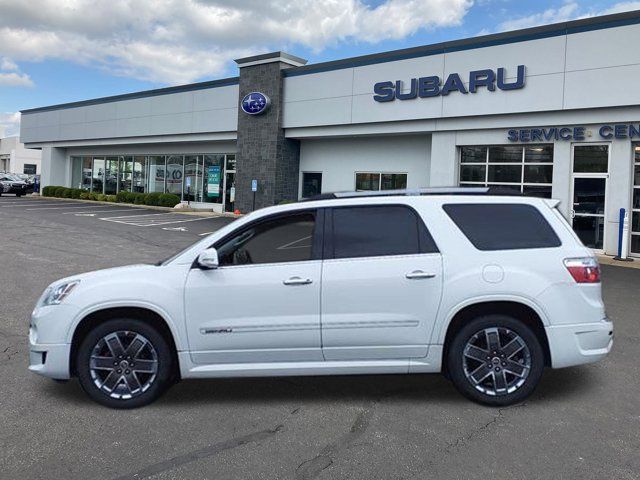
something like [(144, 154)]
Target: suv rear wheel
[(124, 363), (495, 360)]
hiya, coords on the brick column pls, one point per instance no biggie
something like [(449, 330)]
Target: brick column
[(263, 152)]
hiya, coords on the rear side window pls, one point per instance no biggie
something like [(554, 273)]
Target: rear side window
[(495, 226), (373, 231)]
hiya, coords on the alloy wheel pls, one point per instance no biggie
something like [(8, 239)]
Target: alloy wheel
[(496, 361), (123, 364)]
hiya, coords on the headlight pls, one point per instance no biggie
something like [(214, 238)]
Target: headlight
[(55, 295)]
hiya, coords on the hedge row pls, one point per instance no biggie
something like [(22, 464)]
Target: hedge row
[(154, 199)]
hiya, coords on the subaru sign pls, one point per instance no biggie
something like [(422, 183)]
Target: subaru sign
[(433, 86), (255, 103)]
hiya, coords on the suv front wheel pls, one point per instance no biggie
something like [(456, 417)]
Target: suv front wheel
[(495, 360), (124, 363)]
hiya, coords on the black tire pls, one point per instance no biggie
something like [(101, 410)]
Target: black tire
[(18, 195), (164, 363), (531, 356)]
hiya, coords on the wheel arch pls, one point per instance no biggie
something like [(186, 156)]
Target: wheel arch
[(96, 317), (512, 308)]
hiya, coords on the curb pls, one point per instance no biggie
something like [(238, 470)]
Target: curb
[(609, 260)]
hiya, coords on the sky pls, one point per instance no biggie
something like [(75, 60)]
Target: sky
[(58, 51)]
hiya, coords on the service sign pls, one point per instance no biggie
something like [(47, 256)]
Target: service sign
[(255, 103)]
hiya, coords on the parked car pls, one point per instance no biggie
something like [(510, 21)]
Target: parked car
[(13, 184), (487, 289)]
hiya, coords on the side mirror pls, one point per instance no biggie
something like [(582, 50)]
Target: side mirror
[(208, 259)]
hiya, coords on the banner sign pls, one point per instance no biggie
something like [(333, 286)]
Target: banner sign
[(213, 181)]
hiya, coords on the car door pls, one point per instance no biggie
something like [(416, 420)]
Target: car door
[(262, 304), (381, 283)]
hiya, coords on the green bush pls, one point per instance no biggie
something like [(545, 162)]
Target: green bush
[(76, 192), (101, 197), (48, 190), (139, 198), (84, 195), (124, 197), (111, 198), (153, 198), (58, 192), (168, 200), (67, 193)]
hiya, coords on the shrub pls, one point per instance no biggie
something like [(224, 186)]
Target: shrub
[(124, 197), (168, 200), (101, 197), (139, 198), (153, 198), (67, 193), (58, 191), (76, 192), (111, 198), (85, 195), (48, 190)]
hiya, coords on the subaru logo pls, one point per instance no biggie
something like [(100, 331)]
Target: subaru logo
[(255, 103)]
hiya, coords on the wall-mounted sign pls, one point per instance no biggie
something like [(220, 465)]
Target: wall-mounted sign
[(213, 181), (425, 87), (255, 103), (549, 134)]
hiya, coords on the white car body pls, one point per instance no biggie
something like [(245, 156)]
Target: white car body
[(356, 316)]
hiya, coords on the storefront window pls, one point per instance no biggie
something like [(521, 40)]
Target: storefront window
[(311, 184), (192, 172), (212, 179), (156, 173), (139, 174), (174, 174), (366, 181), (126, 174), (524, 169), (635, 205), (590, 159), (97, 184)]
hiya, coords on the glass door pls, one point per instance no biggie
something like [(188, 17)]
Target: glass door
[(589, 193)]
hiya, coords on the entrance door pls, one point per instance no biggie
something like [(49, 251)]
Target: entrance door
[(589, 193)]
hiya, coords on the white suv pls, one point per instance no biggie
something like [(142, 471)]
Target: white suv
[(487, 289)]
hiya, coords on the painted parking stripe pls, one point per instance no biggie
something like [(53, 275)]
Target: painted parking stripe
[(107, 211), (66, 207), (16, 204), (145, 215), (151, 222), (205, 233)]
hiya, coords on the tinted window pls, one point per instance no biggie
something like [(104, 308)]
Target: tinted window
[(285, 239), (377, 231), (503, 226)]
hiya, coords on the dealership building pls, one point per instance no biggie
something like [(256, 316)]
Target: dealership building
[(551, 111)]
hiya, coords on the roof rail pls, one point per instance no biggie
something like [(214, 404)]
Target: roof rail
[(416, 192)]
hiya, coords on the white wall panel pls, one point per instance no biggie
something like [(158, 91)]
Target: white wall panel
[(337, 83), (540, 56), (339, 159), (364, 78), (216, 98), (326, 111), (603, 48), (599, 88), (365, 109)]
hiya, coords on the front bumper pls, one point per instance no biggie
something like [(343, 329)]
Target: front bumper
[(49, 360), (578, 344)]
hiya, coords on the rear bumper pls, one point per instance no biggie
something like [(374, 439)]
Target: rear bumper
[(49, 360), (578, 344)]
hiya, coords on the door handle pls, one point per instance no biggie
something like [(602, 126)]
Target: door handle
[(297, 281), (417, 274)]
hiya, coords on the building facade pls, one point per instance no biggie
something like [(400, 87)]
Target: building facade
[(15, 158), (549, 111)]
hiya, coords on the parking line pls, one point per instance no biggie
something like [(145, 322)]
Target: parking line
[(205, 233), (16, 204), (107, 211), (67, 208), (145, 215)]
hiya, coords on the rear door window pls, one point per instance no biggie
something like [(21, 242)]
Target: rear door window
[(495, 226), (372, 231)]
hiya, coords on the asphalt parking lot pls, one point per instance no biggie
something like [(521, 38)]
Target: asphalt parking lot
[(582, 422)]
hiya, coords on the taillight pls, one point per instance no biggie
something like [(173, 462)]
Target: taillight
[(583, 270)]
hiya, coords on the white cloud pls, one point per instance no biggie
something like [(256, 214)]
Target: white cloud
[(10, 123), (175, 41), (10, 75), (570, 10)]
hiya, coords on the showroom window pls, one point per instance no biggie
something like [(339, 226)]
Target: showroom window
[(524, 169), (380, 181), (311, 184), (635, 202), (29, 169)]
